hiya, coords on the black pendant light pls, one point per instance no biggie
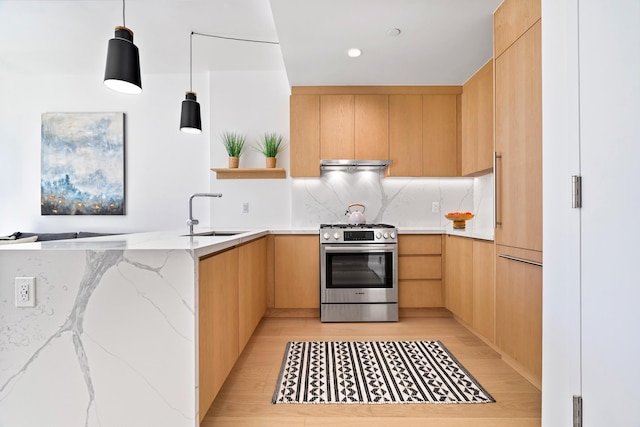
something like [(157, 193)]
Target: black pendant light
[(122, 72), (190, 120)]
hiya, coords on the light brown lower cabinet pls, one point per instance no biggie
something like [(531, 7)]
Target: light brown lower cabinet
[(459, 277), (419, 271), (252, 290), (484, 289), (519, 307), (231, 301), (217, 323), (469, 283), (297, 271)]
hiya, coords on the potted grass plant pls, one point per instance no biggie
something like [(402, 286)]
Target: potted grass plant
[(234, 144), (270, 145)]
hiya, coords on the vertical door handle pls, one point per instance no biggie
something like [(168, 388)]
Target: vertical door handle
[(496, 221)]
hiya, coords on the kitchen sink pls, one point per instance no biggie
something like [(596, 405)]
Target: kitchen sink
[(215, 233)]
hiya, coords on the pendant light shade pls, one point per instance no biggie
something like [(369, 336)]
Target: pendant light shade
[(190, 121), (122, 72)]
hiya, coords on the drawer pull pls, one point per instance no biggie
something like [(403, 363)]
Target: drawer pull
[(526, 261)]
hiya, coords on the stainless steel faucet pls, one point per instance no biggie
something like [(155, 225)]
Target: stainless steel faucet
[(192, 221)]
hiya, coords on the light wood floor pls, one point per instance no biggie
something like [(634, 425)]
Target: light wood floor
[(245, 399)]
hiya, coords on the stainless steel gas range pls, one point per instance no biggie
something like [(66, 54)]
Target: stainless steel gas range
[(358, 273)]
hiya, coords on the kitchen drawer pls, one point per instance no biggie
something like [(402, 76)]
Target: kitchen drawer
[(420, 293), (420, 267), (419, 244)]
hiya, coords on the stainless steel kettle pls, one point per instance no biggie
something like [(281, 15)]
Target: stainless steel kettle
[(356, 216)]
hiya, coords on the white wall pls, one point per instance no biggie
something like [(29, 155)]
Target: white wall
[(162, 165), (251, 103)]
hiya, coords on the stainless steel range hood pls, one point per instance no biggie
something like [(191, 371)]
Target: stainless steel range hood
[(353, 165)]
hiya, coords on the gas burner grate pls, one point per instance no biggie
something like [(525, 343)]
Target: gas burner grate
[(356, 226)]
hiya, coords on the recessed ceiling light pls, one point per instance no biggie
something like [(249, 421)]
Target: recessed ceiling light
[(354, 52), (394, 32)]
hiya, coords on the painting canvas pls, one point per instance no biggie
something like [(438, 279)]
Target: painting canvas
[(82, 164)]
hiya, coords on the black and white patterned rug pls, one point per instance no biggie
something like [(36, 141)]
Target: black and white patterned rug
[(374, 372)]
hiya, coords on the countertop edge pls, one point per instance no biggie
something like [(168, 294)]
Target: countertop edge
[(204, 245)]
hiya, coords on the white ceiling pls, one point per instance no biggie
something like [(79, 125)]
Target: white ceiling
[(442, 41)]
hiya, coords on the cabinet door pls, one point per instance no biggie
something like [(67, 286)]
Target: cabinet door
[(305, 135), (405, 135), (519, 143), (297, 271), (371, 127), (337, 127), (484, 289), (511, 20), (440, 135), (519, 308), (217, 323), (477, 122), (458, 276), (252, 289)]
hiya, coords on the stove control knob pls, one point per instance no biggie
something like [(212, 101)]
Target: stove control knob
[(385, 235), (378, 235), (393, 235), (336, 236), (326, 236)]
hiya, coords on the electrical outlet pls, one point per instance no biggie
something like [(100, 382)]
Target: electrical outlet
[(435, 206), (245, 207), (25, 291)]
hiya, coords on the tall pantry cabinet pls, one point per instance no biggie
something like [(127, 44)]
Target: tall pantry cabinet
[(518, 175)]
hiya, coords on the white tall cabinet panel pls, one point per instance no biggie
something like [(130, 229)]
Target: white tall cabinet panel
[(591, 93), (561, 223), (610, 157)]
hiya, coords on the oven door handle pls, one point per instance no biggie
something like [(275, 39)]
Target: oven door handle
[(359, 248)]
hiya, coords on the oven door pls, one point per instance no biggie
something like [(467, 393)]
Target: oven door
[(359, 273)]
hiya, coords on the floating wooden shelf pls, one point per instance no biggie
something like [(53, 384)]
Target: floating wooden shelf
[(250, 173)]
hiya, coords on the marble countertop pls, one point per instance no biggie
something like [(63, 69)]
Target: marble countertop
[(201, 245), (155, 240)]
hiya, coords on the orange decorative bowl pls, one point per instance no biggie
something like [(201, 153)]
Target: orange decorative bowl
[(459, 219)]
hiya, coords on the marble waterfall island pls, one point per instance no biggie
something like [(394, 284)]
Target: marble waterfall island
[(112, 338)]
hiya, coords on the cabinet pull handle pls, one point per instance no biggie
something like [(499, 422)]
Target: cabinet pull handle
[(526, 261), (496, 156)]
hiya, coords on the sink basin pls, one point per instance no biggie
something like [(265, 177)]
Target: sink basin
[(216, 233)]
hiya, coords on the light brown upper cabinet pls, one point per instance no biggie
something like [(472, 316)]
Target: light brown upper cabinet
[(440, 151), (423, 135), (405, 135), (477, 122), (305, 135), (519, 143), (418, 127), (371, 127), (337, 127), (354, 127)]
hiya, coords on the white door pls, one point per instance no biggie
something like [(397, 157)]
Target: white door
[(591, 127), (610, 158)]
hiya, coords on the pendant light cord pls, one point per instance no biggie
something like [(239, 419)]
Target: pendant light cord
[(123, 22), (233, 38), (208, 35), (191, 62)]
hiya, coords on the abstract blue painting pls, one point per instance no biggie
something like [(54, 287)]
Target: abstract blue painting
[(82, 166)]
